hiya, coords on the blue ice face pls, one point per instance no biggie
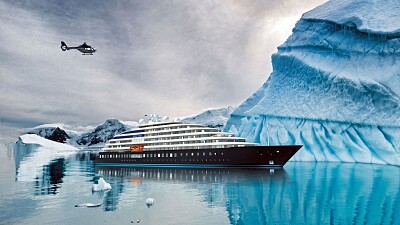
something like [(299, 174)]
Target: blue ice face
[(323, 140)]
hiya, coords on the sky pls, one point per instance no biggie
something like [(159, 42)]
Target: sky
[(176, 58)]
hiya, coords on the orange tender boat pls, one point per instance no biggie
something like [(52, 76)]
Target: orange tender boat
[(136, 148)]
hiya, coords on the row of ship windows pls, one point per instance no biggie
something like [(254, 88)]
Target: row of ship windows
[(196, 147), (157, 155), (129, 136), (166, 133), (127, 141), (171, 138), (172, 128), (180, 132), (180, 148), (174, 160), (188, 142), (133, 131), (188, 137), (176, 132)]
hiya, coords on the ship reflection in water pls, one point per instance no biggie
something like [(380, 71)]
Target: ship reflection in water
[(210, 183), (302, 193), (136, 175)]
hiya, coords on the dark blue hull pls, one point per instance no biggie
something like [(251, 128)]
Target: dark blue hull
[(252, 156)]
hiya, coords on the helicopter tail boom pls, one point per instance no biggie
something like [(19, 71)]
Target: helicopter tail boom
[(64, 46)]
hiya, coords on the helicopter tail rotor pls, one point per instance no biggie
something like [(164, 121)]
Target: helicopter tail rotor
[(64, 46)]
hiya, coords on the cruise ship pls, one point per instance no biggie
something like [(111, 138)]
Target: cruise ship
[(161, 142)]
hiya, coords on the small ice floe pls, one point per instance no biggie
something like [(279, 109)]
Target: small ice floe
[(149, 202), (89, 205), (101, 185)]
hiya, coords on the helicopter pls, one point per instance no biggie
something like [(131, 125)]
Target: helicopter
[(84, 48)]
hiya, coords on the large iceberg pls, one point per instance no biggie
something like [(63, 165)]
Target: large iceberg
[(334, 88)]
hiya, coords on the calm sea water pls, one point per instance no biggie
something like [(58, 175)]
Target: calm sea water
[(33, 191)]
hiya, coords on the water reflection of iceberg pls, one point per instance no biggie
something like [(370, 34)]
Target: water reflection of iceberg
[(51, 178), (323, 193), (34, 154), (46, 174)]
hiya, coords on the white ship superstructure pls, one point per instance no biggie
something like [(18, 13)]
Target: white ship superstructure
[(163, 134)]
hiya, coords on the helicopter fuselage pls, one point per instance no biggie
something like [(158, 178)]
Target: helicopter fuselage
[(84, 48)]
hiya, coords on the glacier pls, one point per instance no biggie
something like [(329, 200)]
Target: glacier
[(335, 87)]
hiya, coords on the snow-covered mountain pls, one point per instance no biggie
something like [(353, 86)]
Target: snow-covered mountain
[(52, 133), (215, 118), (102, 133), (83, 136), (335, 86), (60, 132)]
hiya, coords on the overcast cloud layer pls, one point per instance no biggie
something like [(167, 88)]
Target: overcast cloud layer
[(174, 57)]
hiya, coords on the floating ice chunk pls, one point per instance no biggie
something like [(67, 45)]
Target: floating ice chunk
[(101, 185), (88, 205), (149, 202)]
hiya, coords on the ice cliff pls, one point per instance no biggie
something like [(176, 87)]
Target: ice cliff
[(334, 88)]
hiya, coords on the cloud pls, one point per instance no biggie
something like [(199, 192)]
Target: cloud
[(178, 57)]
